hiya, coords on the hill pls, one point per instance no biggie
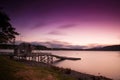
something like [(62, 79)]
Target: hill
[(106, 48)]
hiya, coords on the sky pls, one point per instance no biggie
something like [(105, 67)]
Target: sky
[(65, 23)]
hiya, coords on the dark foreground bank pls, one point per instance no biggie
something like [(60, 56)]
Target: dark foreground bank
[(28, 70), (68, 72)]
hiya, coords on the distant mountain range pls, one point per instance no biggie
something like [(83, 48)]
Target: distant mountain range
[(41, 47), (107, 48)]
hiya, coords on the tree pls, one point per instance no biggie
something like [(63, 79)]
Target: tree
[(7, 32)]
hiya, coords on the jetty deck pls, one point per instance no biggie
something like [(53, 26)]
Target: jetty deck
[(66, 58), (40, 57)]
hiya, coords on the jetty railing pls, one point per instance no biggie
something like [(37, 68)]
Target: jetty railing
[(39, 57)]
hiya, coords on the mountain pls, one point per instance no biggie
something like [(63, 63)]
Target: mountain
[(40, 47), (106, 48)]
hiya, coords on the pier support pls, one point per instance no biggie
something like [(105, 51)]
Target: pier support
[(44, 57)]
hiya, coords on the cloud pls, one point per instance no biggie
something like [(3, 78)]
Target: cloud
[(76, 47), (44, 23), (58, 44), (39, 25), (55, 33), (95, 45), (55, 44), (67, 26), (52, 44)]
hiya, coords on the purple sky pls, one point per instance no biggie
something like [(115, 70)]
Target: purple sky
[(66, 22)]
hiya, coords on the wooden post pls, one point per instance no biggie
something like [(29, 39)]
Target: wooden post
[(51, 58), (42, 59), (38, 58), (32, 58), (28, 58), (48, 59)]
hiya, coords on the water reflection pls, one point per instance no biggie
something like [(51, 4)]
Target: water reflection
[(57, 62), (106, 63), (119, 54)]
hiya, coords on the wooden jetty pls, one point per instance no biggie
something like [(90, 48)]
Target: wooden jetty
[(44, 57), (24, 52), (66, 58), (39, 57)]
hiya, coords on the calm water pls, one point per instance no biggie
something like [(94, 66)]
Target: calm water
[(107, 63)]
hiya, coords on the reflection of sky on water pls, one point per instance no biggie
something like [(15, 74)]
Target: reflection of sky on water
[(107, 63)]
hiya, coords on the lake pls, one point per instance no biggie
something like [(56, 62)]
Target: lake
[(106, 63)]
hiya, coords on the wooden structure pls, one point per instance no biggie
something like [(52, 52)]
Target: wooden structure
[(24, 52), (44, 57), (23, 49)]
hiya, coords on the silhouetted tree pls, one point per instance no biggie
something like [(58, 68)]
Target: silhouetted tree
[(7, 32)]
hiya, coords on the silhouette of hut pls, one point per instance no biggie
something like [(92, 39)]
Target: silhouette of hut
[(23, 49)]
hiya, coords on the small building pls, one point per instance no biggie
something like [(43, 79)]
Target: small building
[(23, 49)]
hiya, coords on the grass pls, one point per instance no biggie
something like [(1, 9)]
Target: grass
[(12, 70)]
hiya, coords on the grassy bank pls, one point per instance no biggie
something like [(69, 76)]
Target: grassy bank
[(12, 70)]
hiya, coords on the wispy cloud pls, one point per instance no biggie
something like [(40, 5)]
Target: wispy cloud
[(39, 25), (56, 33), (58, 44), (67, 26)]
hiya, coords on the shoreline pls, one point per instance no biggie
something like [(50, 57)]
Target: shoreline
[(66, 71)]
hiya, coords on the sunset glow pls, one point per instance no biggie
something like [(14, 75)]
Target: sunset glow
[(76, 22)]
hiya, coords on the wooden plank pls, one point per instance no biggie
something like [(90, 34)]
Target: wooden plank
[(68, 58)]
